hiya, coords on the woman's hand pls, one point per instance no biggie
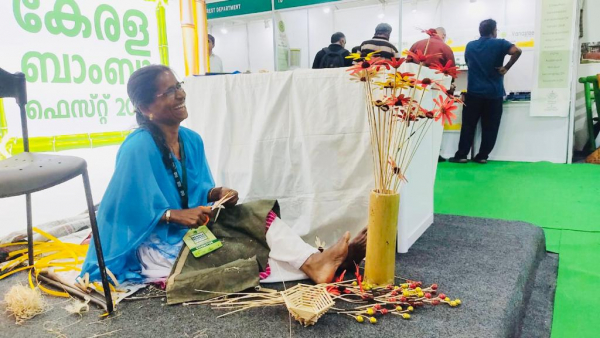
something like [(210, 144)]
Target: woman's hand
[(229, 192), (217, 194), (191, 218)]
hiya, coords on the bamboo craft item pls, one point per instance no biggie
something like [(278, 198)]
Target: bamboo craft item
[(352, 298), (381, 240), (307, 303), (397, 125)]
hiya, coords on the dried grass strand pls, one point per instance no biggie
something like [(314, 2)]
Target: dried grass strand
[(24, 303)]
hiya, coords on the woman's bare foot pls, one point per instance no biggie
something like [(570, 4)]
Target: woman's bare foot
[(321, 266), (357, 250)]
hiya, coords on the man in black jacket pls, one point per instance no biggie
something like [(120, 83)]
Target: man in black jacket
[(333, 56)]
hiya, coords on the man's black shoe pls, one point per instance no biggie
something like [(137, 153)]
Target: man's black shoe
[(457, 160), (480, 160), (441, 159)]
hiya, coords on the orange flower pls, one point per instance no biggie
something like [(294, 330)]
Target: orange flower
[(359, 67), (447, 69), (334, 290), (393, 63), (446, 106), (418, 57), (378, 63), (358, 277), (363, 75), (437, 85), (397, 101), (428, 113), (425, 82)]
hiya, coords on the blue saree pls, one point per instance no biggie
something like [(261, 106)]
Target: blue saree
[(141, 190)]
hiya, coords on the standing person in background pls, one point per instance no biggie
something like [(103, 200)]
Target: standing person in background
[(438, 49), (485, 90), (440, 53), (333, 56), (380, 42), (216, 65)]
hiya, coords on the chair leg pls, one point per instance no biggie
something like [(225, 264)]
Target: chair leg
[(29, 230), (96, 238)]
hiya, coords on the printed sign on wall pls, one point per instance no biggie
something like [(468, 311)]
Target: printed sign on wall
[(555, 34), (77, 56)]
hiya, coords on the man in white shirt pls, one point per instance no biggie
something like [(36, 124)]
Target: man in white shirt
[(216, 65)]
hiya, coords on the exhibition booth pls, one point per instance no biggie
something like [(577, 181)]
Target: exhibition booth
[(275, 129), (251, 42)]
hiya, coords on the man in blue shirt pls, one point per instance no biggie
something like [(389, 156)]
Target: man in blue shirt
[(485, 90)]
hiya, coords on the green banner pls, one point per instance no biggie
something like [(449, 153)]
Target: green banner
[(283, 4), (227, 8)]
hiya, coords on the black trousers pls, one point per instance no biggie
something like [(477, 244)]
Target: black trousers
[(490, 113)]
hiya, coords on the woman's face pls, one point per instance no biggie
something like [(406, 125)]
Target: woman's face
[(168, 107)]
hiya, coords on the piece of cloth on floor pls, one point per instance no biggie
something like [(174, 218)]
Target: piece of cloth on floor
[(232, 268)]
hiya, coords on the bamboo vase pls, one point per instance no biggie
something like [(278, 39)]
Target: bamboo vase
[(381, 238)]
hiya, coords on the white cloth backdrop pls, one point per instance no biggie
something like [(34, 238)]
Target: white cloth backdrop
[(302, 138)]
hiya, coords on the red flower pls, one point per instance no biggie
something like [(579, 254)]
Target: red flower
[(358, 278), (378, 62), (425, 82), (393, 63), (428, 113), (439, 86), (398, 101), (430, 31), (419, 57), (448, 69), (446, 107), (334, 290)]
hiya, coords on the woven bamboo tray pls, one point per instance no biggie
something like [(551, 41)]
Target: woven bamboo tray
[(307, 303)]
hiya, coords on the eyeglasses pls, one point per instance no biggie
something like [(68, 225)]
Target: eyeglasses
[(171, 91)]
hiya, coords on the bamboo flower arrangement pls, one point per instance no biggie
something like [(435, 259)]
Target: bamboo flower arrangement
[(397, 121)]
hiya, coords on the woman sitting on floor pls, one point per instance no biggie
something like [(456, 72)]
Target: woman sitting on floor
[(161, 188)]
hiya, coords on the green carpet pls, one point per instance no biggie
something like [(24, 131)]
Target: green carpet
[(562, 199)]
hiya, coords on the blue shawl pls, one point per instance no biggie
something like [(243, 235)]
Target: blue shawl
[(139, 193)]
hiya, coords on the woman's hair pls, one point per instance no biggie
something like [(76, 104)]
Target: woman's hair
[(142, 90)]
